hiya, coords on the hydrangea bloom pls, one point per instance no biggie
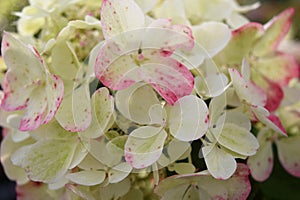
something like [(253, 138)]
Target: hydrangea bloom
[(115, 104)]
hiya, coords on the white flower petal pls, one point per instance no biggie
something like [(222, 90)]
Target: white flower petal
[(144, 146), (212, 43), (220, 164), (87, 178), (188, 118)]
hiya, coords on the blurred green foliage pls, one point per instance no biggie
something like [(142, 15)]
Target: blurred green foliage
[(7, 8)]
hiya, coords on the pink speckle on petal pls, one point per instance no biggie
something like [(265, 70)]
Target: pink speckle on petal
[(128, 158), (165, 53), (140, 57), (206, 119), (270, 160)]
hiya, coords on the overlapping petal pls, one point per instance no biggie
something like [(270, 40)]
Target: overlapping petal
[(28, 85)]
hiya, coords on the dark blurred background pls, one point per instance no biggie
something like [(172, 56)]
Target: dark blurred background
[(280, 186)]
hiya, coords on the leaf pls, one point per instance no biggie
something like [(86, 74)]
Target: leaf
[(144, 146), (261, 164), (87, 178), (188, 118), (119, 16), (46, 160)]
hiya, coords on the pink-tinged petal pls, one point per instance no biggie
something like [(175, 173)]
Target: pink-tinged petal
[(168, 77), (116, 71), (270, 121), (16, 92), (25, 71), (246, 90), (220, 164), (202, 185), (276, 30), (55, 92), (241, 44), (281, 68), (261, 164), (169, 37), (74, 113), (289, 154), (26, 86), (273, 91), (274, 97), (273, 118), (144, 146), (35, 110), (239, 186), (33, 190), (14, 51), (119, 16)]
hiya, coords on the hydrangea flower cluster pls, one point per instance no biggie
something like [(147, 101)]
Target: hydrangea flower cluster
[(104, 99)]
